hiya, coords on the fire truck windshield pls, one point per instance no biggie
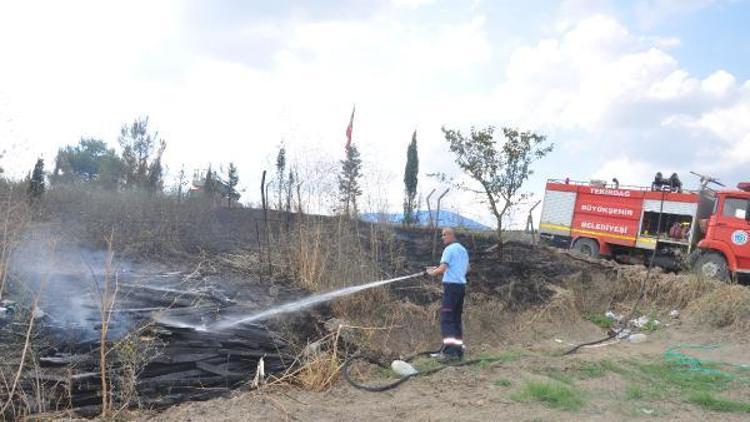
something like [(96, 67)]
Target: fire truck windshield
[(735, 207)]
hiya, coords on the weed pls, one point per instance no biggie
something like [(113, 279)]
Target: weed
[(706, 400), (485, 360), (634, 392), (551, 394), (425, 364), (557, 375), (610, 366), (591, 370), (671, 376), (503, 382), (386, 373), (601, 320), (652, 324)]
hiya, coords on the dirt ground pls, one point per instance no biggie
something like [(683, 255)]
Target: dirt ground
[(487, 393)]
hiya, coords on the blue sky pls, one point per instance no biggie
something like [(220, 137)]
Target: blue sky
[(624, 89)]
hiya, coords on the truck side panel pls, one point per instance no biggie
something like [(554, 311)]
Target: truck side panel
[(616, 231), (671, 207), (557, 212), (611, 215)]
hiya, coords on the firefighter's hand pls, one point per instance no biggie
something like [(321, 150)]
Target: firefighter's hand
[(429, 270)]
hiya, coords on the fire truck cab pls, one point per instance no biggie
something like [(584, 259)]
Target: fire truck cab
[(707, 230)]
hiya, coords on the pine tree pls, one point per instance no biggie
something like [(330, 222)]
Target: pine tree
[(411, 173), (349, 189), (155, 181), (142, 152), (36, 181)]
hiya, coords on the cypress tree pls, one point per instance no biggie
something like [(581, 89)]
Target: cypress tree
[(411, 173)]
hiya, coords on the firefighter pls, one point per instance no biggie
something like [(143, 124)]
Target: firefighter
[(659, 182), (675, 185), (454, 264)]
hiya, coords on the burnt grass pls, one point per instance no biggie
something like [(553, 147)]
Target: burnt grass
[(519, 274)]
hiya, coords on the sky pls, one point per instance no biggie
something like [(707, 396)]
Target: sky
[(622, 89)]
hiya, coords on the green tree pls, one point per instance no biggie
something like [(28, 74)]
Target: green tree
[(233, 179), (90, 162), (142, 152), (500, 170), (349, 188), (36, 181), (411, 175)]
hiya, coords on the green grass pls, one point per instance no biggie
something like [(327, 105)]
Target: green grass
[(424, 363), (582, 370), (551, 394), (557, 375), (671, 376), (503, 382), (719, 404), (634, 392), (485, 360), (601, 320), (587, 370)]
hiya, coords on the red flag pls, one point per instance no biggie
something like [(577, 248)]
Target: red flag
[(349, 131)]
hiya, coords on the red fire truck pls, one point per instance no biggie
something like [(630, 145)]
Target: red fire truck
[(707, 230)]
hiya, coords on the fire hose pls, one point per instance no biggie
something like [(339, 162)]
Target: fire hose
[(385, 387), (641, 294)]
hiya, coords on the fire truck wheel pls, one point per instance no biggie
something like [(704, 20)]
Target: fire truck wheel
[(712, 265), (586, 246)]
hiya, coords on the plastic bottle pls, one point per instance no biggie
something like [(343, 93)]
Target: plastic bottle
[(403, 368)]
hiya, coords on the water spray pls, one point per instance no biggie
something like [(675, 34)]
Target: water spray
[(307, 302)]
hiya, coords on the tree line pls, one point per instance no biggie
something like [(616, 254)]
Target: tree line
[(92, 163), (497, 168)]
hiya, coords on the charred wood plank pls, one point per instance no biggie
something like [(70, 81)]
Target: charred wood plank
[(65, 359), (221, 370), (248, 353)]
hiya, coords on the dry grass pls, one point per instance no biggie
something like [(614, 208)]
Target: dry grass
[(666, 290), (561, 309), (727, 305), (322, 253), (320, 372)]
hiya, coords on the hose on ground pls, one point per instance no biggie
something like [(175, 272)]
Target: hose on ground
[(641, 294), (385, 387)]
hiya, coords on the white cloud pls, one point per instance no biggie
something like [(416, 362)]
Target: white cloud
[(626, 170), (719, 83), (233, 92)]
